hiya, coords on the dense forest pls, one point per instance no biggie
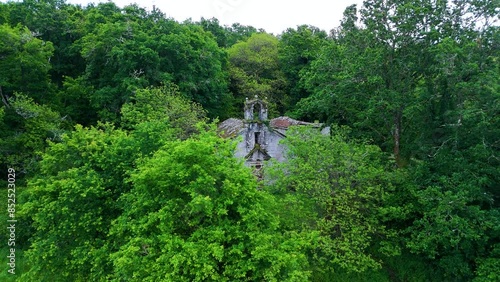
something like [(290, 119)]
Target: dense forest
[(108, 124)]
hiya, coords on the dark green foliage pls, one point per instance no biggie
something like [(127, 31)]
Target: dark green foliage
[(24, 130), (25, 64), (102, 54), (297, 49), (124, 56), (104, 115), (103, 195), (455, 219)]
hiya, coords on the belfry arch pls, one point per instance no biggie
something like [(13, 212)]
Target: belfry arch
[(255, 109)]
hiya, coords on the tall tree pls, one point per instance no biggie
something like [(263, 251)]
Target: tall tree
[(132, 50), (62, 28), (254, 70), (297, 49), (73, 201), (219, 32), (25, 64)]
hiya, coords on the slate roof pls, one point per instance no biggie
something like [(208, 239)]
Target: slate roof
[(233, 126)]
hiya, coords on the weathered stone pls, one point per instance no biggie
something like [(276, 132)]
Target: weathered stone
[(260, 137), (231, 127)]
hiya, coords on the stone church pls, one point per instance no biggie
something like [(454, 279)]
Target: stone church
[(260, 136)]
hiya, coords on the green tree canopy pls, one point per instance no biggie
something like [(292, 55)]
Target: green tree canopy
[(24, 131), (297, 49), (25, 64), (344, 186), (195, 214), (254, 70), (163, 105)]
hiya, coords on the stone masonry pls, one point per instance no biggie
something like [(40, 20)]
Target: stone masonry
[(260, 136)]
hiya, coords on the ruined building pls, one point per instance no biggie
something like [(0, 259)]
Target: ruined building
[(260, 136)]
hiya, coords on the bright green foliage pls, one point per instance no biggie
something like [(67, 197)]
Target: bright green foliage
[(213, 26), (347, 183), (163, 105), (73, 201), (254, 70), (419, 79), (195, 214)]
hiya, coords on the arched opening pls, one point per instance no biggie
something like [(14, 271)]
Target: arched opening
[(257, 108)]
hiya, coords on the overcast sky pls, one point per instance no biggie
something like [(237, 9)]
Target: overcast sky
[(272, 15)]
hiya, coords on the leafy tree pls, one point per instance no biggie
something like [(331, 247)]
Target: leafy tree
[(62, 28), (487, 269), (239, 33), (297, 48), (24, 132), (82, 176), (163, 105), (25, 64), (219, 32), (455, 222), (343, 185), (74, 98), (131, 52), (130, 64), (195, 214), (254, 70), (420, 79), (73, 200), (198, 66), (372, 78)]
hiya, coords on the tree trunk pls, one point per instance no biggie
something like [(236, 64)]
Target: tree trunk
[(4, 99)]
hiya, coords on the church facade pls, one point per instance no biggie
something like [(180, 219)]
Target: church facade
[(260, 137)]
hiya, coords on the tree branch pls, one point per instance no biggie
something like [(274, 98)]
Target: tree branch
[(5, 99)]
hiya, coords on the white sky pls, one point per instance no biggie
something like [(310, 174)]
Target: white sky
[(274, 16)]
